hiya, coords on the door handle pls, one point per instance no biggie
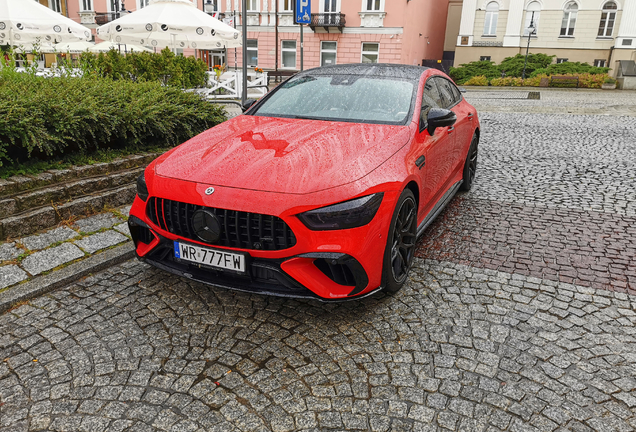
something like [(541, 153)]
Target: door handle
[(451, 129), (470, 116), (420, 161)]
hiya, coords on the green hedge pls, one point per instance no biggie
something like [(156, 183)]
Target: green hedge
[(538, 64), (165, 67), (45, 117)]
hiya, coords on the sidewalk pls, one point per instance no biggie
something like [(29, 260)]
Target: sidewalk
[(38, 263)]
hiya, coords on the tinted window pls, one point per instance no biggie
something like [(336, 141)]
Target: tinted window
[(446, 92), (431, 97)]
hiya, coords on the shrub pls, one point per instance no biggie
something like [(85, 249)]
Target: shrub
[(43, 117), (513, 66), (609, 80), (474, 69), (165, 67), (477, 81), (507, 82)]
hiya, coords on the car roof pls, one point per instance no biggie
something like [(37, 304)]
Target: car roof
[(372, 69)]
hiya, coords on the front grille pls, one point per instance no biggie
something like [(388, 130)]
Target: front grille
[(241, 230)]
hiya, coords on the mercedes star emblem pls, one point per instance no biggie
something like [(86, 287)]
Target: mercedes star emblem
[(209, 191)]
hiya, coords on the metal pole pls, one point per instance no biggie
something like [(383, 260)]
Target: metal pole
[(302, 54), (244, 28), (530, 32)]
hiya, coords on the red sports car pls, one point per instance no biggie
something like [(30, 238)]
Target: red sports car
[(319, 190)]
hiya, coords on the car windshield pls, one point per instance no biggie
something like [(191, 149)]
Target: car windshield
[(349, 98)]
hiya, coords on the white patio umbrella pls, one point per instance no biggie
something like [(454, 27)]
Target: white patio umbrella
[(173, 24), (108, 45), (72, 47), (26, 22)]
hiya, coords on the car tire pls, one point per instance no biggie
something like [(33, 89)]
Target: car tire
[(470, 166), (400, 245)]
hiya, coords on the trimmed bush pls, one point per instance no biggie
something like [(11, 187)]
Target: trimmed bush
[(513, 66), (44, 117), (507, 82), (165, 67), (474, 69), (477, 81), (571, 68)]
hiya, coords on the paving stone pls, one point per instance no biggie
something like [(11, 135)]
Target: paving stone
[(42, 241), (123, 228), (493, 331), (101, 240), (11, 275), (97, 222), (48, 259), (9, 251)]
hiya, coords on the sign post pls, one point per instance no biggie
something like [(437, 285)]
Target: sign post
[(302, 15)]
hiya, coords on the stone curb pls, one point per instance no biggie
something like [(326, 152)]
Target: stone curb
[(43, 284)]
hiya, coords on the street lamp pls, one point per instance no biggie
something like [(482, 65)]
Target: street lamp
[(531, 31), (209, 7)]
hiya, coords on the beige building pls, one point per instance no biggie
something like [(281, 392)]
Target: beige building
[(598, 32)]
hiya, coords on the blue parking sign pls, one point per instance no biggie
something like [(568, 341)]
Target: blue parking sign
[(303, 12)]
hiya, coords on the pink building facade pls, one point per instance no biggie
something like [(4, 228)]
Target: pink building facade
[(342, 31)]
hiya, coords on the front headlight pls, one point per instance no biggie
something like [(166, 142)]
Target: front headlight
[(142, 189), (345, 215)]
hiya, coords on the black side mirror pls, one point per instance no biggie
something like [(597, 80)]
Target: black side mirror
[(248, 104), (439, 117)]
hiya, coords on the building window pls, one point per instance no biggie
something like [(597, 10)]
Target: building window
[(86, 5), (599, 63), (328, 52), (143, 3), (532, 17), (561, 60), (370, 52), (374, 5), (252, 5), (569, 19), (492, 15), (484, 58), (286, 5), (608, 17), (252, 52), (627, 42), (289, 54), (56, 5)]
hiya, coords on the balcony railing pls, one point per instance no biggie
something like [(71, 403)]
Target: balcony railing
[(328, 21)]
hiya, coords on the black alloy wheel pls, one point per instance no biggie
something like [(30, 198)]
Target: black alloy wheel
[(470, 166), (400, 248)]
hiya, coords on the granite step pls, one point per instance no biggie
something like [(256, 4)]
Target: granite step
[(60, 193), (44, 217), (16, 184)]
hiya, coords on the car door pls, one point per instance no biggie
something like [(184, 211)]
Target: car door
[(431, 152), (462, 132)]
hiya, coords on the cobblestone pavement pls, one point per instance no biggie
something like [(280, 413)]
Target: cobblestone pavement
[(512, 320), (31, 256)]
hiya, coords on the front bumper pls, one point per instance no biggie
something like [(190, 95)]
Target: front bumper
[(324, 265)]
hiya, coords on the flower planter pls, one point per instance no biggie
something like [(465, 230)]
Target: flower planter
[(606, 86)]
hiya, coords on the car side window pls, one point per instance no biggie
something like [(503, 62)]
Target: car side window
[(431, 97), (456, 92), (446, 92)]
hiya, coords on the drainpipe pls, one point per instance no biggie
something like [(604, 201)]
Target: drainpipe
[(609, 60)]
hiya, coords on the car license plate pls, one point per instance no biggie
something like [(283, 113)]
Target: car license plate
[(210, 257)]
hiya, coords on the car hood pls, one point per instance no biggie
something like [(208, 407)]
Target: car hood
[(283, 155)]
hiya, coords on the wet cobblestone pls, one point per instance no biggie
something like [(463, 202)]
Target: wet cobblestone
[(459, 348), (514, 317)]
